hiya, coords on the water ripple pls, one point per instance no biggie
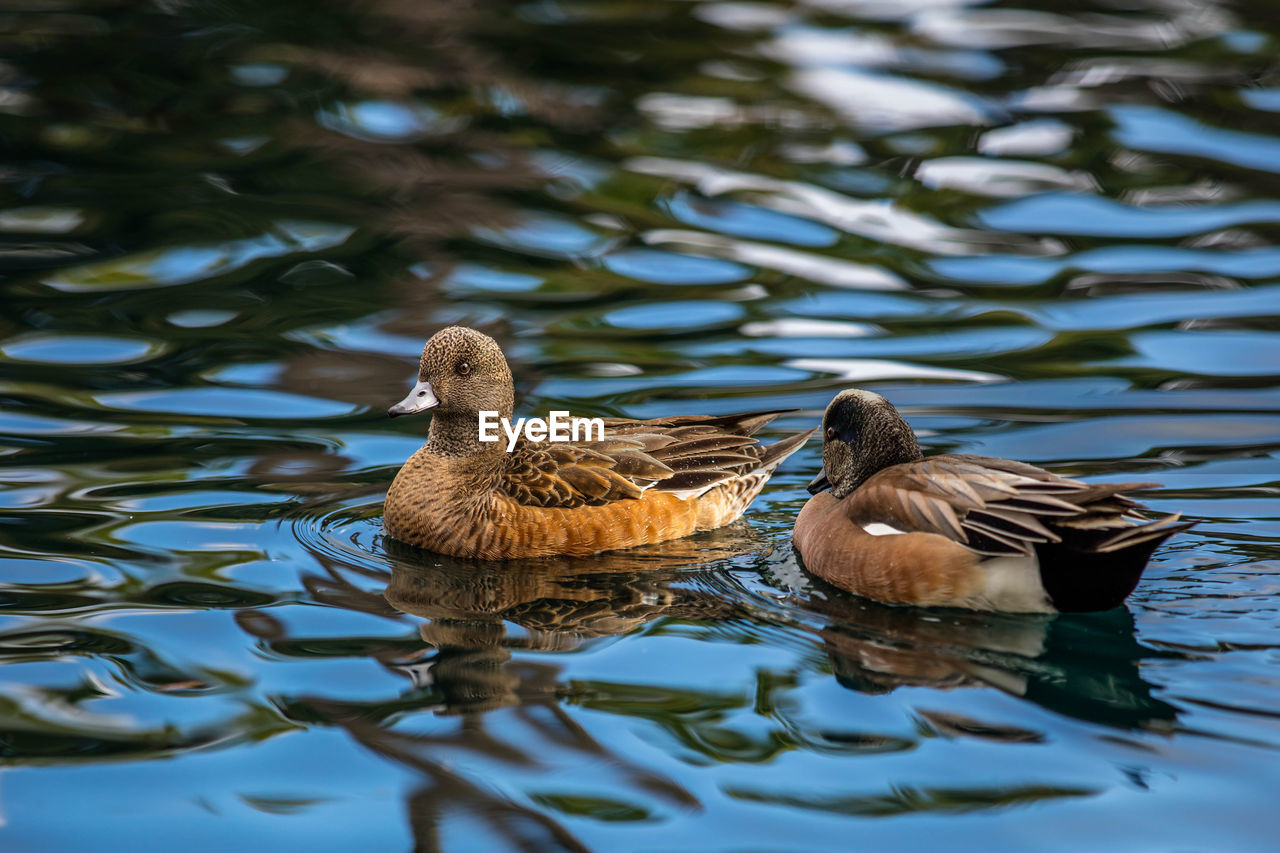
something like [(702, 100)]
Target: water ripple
[(1042, 233)]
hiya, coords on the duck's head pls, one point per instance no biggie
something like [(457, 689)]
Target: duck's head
[(862, 433), (462, 372)]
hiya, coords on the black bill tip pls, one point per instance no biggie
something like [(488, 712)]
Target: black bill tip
[(819, 483)]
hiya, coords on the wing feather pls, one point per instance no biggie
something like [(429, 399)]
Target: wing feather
[(992, 506), (685, 455)]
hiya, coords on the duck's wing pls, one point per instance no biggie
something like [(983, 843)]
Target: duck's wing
[(997, 506), (554, 474), (686, 455)]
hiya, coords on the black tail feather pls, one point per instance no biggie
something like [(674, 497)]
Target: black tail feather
[(1096, 570)]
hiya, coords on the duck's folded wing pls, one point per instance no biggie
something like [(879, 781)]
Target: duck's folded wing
[(583, 474), (994, 506), (684, 455)]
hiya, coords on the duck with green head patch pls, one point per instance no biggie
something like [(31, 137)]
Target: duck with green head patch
[(965, 531)]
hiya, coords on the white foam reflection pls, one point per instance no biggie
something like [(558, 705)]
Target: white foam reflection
[(880, 220), (874, 102), (1096, 73), (693, 112), (805, 47), (41, 220), (835, 272), (807, 327), (885, 10), (839, 153), (810, 47), (1006, 28), (872, 369), (1000, 178), (1055, 99), (1037, 138), (743, 16)]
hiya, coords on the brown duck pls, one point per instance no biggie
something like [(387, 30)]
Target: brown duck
[(964, 531), (644, 482)]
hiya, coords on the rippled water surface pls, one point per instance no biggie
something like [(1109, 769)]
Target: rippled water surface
[(1044, 231)]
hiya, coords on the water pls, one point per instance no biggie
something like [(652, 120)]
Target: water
[(1045, 232)]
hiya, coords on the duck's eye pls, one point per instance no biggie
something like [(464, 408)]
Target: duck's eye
[(831, 433), (463, 368)]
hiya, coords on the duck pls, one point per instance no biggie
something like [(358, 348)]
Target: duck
[(956, 530), (636, 482)]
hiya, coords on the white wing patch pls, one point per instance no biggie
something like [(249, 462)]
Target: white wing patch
[(875, 528), (689, 494)]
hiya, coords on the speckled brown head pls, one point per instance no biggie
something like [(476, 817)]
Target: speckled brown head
[(461, 372), (862, 433)]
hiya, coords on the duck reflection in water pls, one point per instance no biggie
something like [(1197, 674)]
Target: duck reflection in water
[(1084, 666), (512, 712), (497, 711), (559, 603)]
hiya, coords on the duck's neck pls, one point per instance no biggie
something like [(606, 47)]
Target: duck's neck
[(458, 434)]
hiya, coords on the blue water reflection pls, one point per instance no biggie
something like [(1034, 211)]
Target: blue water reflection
[(1043, 233)]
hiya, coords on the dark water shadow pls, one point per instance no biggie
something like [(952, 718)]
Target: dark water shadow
[(1083, 666), (554, 604)]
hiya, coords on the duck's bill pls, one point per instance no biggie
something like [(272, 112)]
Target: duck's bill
[(819, 483), (421, 398)]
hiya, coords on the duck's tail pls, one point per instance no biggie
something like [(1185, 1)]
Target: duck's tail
[(780, 450), (1155, 533), (728, 500), (1096, 570)]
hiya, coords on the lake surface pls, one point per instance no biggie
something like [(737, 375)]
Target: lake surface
[(1044, 231)]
